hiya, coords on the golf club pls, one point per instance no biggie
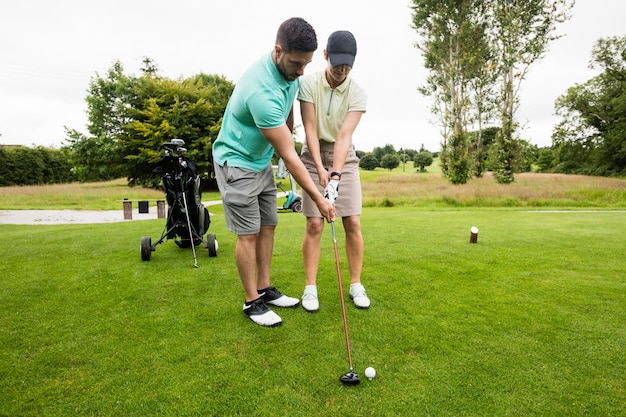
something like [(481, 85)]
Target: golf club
[(350, 378), (193, 249)]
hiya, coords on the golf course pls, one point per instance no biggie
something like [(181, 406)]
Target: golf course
[(528, 321)]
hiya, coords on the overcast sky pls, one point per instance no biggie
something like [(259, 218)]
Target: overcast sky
[(50, 50)]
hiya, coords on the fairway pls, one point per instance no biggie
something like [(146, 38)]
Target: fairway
[(531, 320)]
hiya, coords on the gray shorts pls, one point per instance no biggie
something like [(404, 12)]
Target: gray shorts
[(349, 202), (248, 197)]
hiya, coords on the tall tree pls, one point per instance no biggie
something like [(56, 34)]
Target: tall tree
[(97, 156), (467, 46), (109, 101), (484, 105), (190, 109), (591, 137), (520, 34), (454, 48)]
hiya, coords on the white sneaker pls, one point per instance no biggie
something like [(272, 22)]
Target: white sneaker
[(359, 296), (258, 312), (309, 299)]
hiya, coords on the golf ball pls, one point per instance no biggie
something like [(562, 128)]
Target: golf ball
[(370, 372)]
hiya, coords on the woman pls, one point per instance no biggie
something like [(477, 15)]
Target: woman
[(331, 104)]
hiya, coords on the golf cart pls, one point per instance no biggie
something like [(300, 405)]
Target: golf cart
[(293, 201)]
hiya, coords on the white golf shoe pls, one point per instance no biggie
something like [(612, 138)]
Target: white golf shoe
[(359, 296), (309, 299), (258, 312), (276, 298)]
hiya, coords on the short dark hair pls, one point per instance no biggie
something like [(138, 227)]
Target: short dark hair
[(296, 33)]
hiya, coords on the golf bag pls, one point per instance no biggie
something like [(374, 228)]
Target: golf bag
[(187, 218)]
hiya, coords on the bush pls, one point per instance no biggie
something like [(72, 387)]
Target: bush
[(422, 160), (20, 165), (390, 161), (368, 162)]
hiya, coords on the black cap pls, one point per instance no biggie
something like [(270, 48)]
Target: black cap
[(341, 48)]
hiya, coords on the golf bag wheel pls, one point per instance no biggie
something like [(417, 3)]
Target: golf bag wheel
[(211, 244), (297, 207), (146, 248)]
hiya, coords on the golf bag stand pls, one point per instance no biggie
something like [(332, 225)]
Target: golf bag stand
[(187, 218)]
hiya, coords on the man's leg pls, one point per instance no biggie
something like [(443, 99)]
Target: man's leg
[(247, 264), (264, 250), (242, 214), (265, 244), (246, 258)]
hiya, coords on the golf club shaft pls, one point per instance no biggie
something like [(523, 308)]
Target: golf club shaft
[(193, 248), (343, 304)]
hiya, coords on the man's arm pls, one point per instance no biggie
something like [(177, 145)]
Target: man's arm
[(282, 141), (289, 121)]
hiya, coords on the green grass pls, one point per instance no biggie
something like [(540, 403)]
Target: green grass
[(381, 188), (531, 320), (78, 196)]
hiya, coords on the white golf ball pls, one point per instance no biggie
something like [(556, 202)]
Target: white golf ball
[(370, 372)]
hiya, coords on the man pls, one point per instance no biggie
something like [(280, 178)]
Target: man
[(257, 120), (331, 104)]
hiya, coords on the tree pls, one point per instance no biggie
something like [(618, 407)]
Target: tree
[(545, 159), (190, 109), (484, 105), (131, 117), (468, 45), (454, 48), (94, 158), (368, 162), (109, 102), (591, 138), (390, 161), (422, 160), (480, 145), (410, 153), (98, 157), (520, 32), (380, 152)]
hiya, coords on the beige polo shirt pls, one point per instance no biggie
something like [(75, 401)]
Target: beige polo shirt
[(331, 106)]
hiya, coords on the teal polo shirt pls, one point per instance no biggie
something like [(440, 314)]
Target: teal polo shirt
[(261, 99)]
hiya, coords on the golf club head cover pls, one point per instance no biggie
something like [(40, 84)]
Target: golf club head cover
[(332, 191)]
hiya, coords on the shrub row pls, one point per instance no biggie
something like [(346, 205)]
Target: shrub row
[(20, 165)]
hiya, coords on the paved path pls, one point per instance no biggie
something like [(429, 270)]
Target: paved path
[(69, 216), (76, 216)]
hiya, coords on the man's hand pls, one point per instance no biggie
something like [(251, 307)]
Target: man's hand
[(332, 190), (326, 208)]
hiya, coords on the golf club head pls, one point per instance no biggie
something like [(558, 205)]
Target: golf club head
[(350, 379)]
